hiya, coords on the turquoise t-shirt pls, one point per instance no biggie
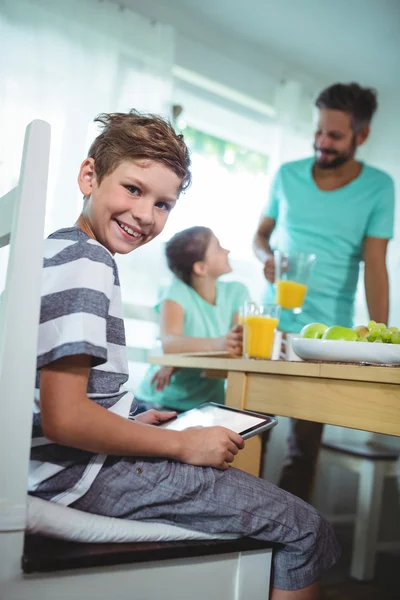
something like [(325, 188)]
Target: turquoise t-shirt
[(188, 387), (331, 225)]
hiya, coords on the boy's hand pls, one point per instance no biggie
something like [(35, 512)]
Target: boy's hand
[(210, 446), (155, 417), (233, 341), (163, 377)]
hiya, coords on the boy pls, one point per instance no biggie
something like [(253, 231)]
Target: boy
[(86, 453)]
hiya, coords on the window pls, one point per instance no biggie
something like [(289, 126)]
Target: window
[(228, 191)]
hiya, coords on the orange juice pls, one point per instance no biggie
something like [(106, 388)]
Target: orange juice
[(259, 334), (290, 294)]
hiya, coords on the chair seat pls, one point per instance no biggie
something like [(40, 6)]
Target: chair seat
[(44, 554), (366, 450), (62, 522)]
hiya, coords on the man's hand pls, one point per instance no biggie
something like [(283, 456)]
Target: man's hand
[(232, 342), (210, 446), (163, 377), (155, 417), (269, 269)]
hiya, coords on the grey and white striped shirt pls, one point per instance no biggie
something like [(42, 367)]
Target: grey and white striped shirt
[(81, 313)]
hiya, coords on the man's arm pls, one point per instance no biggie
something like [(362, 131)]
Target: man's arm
[(376, 278), (262, 248)]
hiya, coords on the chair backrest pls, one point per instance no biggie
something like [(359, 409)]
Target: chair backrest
[(22, 213), (141, 314)]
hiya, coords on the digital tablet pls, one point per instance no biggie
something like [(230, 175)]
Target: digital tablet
[(244, 422)]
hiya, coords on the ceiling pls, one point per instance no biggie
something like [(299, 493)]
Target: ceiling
[(331, 39)]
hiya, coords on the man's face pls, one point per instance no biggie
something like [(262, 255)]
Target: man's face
[(335, 141), (131, 205)]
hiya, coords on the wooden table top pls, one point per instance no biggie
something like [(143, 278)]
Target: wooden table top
[(327, 370)]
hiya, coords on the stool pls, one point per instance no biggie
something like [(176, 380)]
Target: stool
[(373, 463)]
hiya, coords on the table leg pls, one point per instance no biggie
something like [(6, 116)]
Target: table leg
[(248, 459)]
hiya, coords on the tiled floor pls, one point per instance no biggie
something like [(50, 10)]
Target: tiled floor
[(338, 585)]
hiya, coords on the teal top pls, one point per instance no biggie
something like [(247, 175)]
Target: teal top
[(331, 225), (188, 387)]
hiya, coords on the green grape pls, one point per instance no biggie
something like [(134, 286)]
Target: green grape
[(374, 333), (381, 326), (386, 336), (393, 329), (378, 341), (395, 337), (371, 324), (362, 339)]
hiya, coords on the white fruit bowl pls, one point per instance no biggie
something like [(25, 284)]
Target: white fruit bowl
[(339, 351)]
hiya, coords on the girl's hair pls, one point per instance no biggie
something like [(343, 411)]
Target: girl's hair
[(134, 135), (186, 248)]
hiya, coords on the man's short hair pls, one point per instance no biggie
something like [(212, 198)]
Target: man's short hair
[(138, 136), (360, 103)]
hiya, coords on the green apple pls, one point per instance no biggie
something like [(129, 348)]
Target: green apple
[(340, 333), (314, 331)]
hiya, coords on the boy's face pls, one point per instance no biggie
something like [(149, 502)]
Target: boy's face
[(131, 205)]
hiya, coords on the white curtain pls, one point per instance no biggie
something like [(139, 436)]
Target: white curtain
[(65, 62), (294, 104)]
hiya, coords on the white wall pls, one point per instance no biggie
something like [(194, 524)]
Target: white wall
[(382, 151), (216, 54)]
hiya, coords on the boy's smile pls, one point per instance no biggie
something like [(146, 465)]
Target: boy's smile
[(130, 206)]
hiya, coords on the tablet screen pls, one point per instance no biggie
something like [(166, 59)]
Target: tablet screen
[(209, 415)]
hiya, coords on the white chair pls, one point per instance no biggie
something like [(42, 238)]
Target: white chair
[(146, 314), (373, 463), (22, 213), (221, 569)]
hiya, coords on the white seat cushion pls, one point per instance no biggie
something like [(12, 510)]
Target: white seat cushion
[(57, 521)]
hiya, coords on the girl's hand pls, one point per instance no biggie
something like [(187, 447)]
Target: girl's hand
[(233, 341), (155, 417), (163, 377)]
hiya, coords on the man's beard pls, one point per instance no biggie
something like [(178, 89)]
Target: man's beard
[(340, 158)]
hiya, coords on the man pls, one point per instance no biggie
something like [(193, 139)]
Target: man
[(342, 210)]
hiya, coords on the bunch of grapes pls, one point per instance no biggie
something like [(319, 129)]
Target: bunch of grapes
[(379, 333)]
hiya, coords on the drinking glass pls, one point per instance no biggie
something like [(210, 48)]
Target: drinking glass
[(292, 274), (259, 325)]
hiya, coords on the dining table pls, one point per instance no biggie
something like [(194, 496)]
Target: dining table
[(358, 396)]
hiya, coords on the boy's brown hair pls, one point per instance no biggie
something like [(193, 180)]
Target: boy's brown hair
[(136, 136)]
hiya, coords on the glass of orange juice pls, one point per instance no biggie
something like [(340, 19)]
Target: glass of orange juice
[(292, 274), (259, 325)]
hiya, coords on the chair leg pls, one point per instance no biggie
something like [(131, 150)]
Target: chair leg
[(253, 575), (370, 489)]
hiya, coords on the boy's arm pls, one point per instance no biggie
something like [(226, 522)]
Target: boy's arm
[(70, 418)]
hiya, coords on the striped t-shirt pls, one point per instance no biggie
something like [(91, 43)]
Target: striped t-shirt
[(81, 313)]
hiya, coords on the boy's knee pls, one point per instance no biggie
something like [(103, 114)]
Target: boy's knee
[(324, 538)]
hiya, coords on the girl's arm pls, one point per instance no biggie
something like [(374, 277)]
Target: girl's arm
[(174, 342), (70, 418), (172, 337)]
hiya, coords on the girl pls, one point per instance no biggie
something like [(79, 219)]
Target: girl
[(198, 313)]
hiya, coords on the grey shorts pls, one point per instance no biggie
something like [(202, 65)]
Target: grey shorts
[(213, 501)]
